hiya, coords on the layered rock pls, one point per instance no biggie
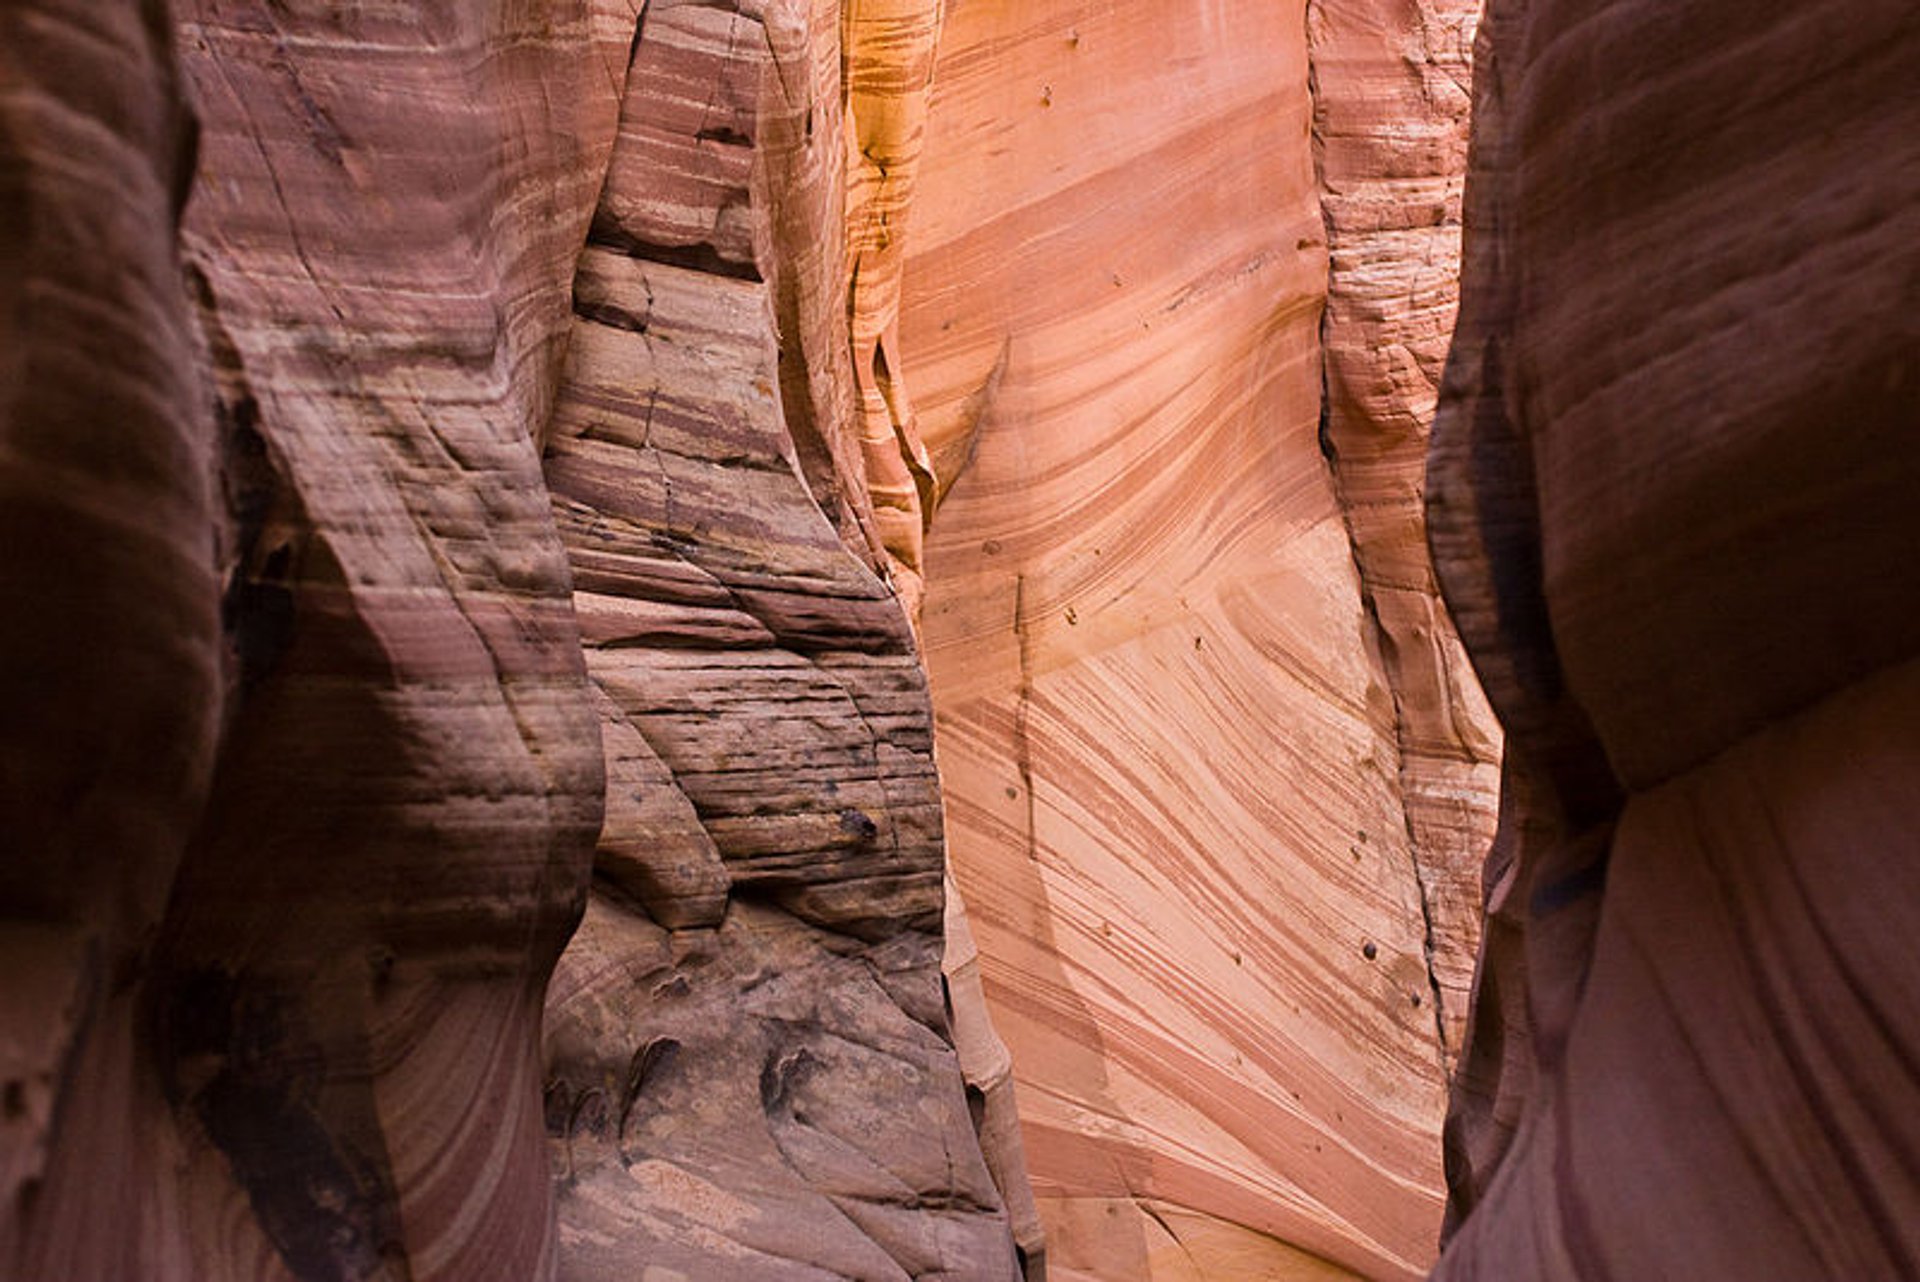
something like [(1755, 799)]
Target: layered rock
[(1672, 487), (394, 850), (1171, 753), (751, 1074), (1391, 96), (110, 640), (280, 989)]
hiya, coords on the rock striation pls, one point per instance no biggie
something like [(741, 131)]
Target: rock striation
[(1391, 96), (1671, 503), (1181, 780), (333, 1066), (751, 1070), (485, 488), (111, 635), (470, 538)]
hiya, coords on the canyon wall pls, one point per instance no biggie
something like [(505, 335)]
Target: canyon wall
[(752, 1073), (290, 996), (454, 524), (1391, 82), (1216, 795), (1672, 501)]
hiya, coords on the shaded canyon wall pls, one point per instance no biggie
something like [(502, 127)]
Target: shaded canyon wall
[(1672, 504)]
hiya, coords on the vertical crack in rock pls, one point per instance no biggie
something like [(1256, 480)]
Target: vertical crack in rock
[(1023, 715)]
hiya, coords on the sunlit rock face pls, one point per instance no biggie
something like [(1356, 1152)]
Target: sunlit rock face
[(1184, 740), (1672, 504), (1391, 83), (472, 808)]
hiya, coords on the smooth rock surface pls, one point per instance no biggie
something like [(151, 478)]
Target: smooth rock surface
[(1672, 490), (109, 637), (1170, 750)]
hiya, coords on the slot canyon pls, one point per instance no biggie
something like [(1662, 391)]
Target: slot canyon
[(959, 640)]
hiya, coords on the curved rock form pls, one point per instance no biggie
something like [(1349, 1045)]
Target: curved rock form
[(275, 999), (751, 1074), (109, 642), (348, 988), (332, 1069), (1171, 757), (1672, 507), (890, 61)]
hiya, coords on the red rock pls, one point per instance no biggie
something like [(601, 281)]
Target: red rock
[(348, 987), (750, 1068), (109, 640), (326, 1058), (1390, 84), (1671, 507)]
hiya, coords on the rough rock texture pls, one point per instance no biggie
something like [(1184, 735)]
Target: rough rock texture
[(890, 63), (751, 1074), (335, 1068), (1391, 99), (309, 763), (1171, 753), (1672, 489)]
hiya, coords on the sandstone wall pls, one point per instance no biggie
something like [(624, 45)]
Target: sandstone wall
[(467, 477), (751, 1070), (1672, 504), (1391, 82), (321, 1061), (1171, 710), (479, 458), (111, 634)]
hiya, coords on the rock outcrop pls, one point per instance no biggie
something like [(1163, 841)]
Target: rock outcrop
[(1672, 505), (1197, 816)]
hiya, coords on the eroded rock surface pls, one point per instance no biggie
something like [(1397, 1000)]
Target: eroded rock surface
[(349, 708), (1672, 506), (1172, 756), (110, 635), (1391, 83)]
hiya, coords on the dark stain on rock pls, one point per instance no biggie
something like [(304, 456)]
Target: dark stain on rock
[(859, 825), (231, 1058)]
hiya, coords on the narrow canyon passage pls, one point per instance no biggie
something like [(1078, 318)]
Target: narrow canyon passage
[(803, 640)]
